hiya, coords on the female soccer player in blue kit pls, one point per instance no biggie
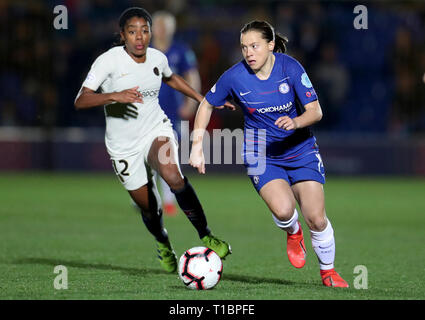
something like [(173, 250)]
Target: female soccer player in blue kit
[(279, 151)]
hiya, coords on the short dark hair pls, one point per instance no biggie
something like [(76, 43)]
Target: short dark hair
[(134, 12), (268, 33)]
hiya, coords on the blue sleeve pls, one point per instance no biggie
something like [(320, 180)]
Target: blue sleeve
[(301, 82), (220, 92)]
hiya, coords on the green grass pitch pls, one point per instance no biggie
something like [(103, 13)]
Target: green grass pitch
[(86, 223)]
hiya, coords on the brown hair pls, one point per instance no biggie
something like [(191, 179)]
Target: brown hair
[(268, 33)]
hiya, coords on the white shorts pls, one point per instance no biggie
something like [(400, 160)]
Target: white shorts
[(134, 171)]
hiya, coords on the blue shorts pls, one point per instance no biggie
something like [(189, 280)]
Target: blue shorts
[(302, 168)]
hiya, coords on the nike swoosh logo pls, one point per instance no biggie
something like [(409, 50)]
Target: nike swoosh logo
[(124, 74), (325, 247), (242, 94), (283, 79)]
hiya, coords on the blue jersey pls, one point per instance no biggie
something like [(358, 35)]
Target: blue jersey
[(286, 92), (180, 59)]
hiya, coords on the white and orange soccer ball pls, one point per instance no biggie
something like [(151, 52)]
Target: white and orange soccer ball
[(200, 268)]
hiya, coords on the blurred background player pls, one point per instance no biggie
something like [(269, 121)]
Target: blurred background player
[(176, 106)]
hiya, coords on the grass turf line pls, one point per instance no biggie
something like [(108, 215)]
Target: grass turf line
[(86, 222)]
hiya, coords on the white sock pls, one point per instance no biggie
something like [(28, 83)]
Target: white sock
[(324, 245), (290, 226), (167, 195)]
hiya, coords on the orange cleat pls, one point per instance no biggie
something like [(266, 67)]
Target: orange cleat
[(296, 249), (170, 209), (331, 278)]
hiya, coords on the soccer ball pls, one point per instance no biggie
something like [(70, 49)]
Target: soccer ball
[(200, 268)]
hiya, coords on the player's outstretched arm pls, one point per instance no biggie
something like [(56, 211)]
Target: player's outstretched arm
[(203, 116), (87, 98), (178, 83)]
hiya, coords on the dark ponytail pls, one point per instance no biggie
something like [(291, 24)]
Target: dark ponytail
[(280, 43), (268, 33)]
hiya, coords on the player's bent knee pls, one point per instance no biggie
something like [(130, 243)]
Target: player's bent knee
[(317, 224), (287, 223), (284, 213), (173, 178)]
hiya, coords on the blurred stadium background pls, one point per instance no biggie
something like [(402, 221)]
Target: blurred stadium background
[(370, 82)]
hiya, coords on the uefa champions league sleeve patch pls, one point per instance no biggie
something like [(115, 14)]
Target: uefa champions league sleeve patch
[(306, 81)]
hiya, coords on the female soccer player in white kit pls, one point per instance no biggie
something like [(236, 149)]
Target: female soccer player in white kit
[(139, 136)]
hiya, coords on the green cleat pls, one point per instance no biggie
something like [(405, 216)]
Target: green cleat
[(166, 256), (222, 248)]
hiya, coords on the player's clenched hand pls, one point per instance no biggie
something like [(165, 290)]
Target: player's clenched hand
[(227, 105), (286, 123), (197, 159), (128, 96)]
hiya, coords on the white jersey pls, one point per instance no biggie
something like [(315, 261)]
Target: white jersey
[(115, 71)]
